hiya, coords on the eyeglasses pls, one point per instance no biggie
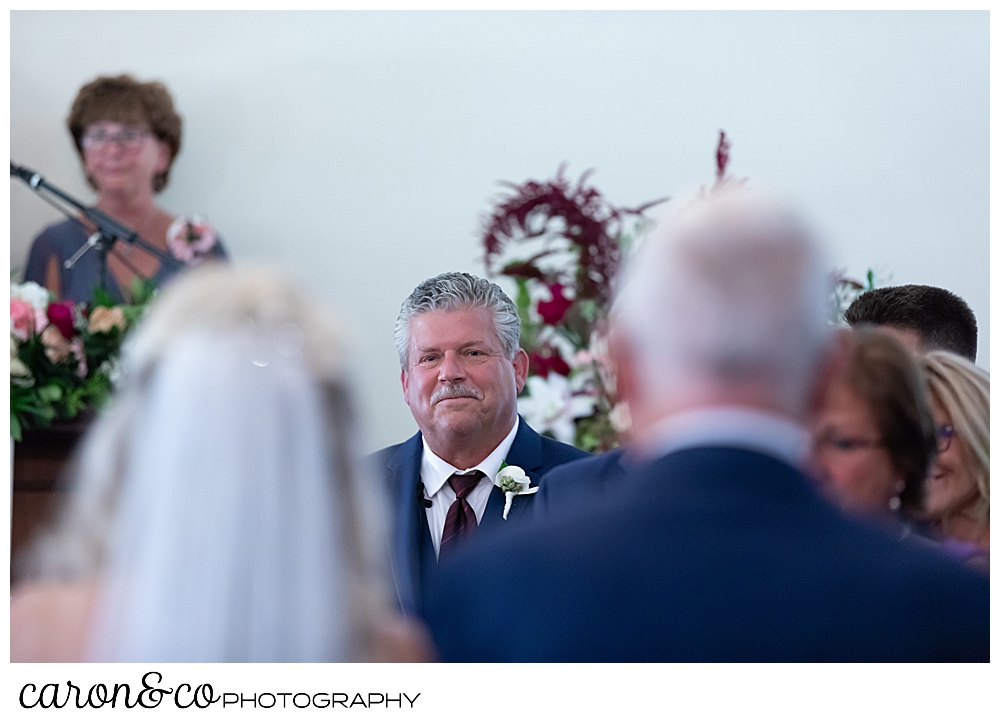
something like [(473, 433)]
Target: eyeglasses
[(128, 138), (846, 445), (944, 434)]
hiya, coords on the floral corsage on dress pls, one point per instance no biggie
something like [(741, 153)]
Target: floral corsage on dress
[(191, 239)]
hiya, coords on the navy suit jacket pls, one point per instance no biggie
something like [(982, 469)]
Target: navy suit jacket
[(707, 554), (413, 559), (576, 482)]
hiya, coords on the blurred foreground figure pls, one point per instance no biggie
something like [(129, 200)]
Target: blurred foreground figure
[(958, 488), (218, 513), (922, 317), (718, 549), (873, 435)]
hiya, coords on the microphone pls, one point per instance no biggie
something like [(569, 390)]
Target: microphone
[(25, 174), (423, 495), (107, 225)]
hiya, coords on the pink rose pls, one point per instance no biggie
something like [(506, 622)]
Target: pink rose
[(22, 318), (76, 346), (57, 347)]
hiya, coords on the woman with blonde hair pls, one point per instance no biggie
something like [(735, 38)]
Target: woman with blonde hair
[(219, 513), (957, 499)]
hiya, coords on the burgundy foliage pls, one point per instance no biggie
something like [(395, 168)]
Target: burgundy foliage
[(545, 360), (557, 209), (721, 156), (552, 312)]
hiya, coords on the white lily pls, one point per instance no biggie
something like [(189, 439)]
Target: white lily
[(513, 481), (551, 406)]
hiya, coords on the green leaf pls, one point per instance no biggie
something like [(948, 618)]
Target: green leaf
[(142, 291), (51, 392), (102, 298), (588, 310), (523, 298)]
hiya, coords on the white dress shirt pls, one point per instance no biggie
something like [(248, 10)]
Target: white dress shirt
[(434, 473), (740, 427)]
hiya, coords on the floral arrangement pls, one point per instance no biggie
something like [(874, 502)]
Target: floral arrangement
[(64, 356), (562, 244)]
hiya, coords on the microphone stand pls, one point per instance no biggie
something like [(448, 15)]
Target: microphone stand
[(108, 229)]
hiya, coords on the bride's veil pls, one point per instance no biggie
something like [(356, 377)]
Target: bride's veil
[(219, 498)]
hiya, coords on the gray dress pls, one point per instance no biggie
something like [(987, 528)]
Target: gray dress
[(62, 240)]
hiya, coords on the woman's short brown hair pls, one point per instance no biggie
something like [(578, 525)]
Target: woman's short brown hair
[(123, 99), (881, 371)]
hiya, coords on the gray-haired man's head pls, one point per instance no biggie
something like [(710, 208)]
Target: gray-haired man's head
[(734, 293), (462, 366), (458, 290)]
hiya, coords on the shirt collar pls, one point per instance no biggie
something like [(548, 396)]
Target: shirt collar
[(740, 427), (434, 471)]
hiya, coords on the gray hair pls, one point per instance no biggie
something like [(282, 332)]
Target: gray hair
[(457, 290), (735, 290)]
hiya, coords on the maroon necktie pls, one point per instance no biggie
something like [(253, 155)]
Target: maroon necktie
[(460, 522)]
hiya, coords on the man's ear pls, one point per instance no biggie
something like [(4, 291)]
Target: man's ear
[(521, 364), (404, 379), (623, 363)]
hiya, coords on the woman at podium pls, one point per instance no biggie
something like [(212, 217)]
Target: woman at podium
[(127, 134)]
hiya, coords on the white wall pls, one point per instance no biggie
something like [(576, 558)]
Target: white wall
[(359, 150)]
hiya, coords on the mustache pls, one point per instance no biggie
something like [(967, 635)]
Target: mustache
[(455, 391)]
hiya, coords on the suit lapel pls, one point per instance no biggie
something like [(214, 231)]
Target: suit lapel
[(410, 521), (526, 453)]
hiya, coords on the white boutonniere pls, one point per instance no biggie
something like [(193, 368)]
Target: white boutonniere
[(512, 481)]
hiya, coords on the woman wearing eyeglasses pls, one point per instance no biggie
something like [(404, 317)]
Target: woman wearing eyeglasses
[(957, 503), (873, 437), (127, 134)]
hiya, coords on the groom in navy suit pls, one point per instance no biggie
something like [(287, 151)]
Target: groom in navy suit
[(458, 339), (709, 543)]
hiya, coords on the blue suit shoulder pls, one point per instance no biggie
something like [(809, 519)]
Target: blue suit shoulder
[(576, 481), (556, 454), (707, 555)]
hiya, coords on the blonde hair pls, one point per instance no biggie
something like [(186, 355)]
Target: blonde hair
[(963, 390)]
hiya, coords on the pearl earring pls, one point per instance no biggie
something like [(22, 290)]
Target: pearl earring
[(895, 503)]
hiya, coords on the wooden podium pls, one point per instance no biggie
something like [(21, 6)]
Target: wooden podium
[(39, 487)]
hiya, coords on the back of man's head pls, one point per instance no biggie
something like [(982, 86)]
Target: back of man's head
[(939, 318), (733, 294)]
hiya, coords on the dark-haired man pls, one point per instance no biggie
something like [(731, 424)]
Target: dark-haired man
[(922, 317)]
